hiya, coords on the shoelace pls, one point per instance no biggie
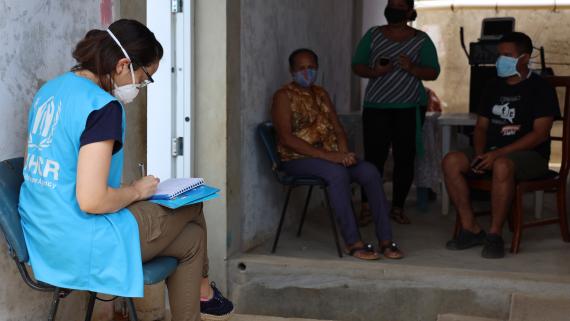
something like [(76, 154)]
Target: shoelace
[(217, 294)]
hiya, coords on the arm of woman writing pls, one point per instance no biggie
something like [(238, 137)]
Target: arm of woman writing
[(92, 191)]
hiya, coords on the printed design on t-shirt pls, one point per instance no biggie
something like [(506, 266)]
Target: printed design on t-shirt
[(504, 111), (510, 130), (45, 122)]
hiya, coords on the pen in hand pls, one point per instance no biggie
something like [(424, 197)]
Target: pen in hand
[(146, 186)]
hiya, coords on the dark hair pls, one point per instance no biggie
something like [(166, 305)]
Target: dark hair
[(521, 41), (411, 4), (99, 53), (294, 54)]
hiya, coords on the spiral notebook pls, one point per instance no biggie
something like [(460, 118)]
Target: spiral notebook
[(173, 187), (199, 194)]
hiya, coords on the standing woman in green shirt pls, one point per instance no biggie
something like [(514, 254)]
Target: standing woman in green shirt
[(396, 58)]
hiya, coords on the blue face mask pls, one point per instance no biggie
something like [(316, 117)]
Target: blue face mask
[(507, 66), (305, 78)]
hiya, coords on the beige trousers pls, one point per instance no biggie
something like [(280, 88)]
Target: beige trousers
[(179, 233)]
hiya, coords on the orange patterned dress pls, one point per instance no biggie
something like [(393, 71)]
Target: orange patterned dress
[(310, 121)]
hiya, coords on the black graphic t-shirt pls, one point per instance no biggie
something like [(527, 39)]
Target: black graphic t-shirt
[(512, 109)]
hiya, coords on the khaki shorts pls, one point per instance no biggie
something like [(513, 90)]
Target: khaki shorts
[(529, 164)]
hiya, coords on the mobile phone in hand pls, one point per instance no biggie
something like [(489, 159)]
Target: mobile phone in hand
[(475, 163), (384, 61)]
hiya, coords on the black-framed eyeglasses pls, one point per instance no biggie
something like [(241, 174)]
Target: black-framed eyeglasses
[(148, 79)]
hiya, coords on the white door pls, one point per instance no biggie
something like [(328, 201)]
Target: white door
[(169, 102)]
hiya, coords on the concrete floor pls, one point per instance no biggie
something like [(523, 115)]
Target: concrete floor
[(243, 317), (542, 250), (306, 278)]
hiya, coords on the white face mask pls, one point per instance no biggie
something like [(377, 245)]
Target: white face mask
[(125, 93)]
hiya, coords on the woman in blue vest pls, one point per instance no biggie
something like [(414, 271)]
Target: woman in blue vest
[(85, 230)]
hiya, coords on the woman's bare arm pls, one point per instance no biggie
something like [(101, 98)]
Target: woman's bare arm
[(92, 191)]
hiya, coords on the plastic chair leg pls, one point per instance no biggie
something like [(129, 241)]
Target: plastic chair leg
[(305, 210), (90, 305), (54, 304), (561, 200), (333, 222), (132, 311), (281, 220)]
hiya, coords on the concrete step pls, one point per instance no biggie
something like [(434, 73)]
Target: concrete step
[(247, 317), (459, 317), (351, 290), (525, 307)]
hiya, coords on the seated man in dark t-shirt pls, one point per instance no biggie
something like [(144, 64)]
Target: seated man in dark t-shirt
[(511, 142)]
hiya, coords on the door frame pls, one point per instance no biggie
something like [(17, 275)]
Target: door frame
[(170, 98)]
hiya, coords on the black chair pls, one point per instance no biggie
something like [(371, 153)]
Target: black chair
[(11, 179), (266, 132)]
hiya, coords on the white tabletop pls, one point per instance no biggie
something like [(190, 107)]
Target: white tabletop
[(457, 119)]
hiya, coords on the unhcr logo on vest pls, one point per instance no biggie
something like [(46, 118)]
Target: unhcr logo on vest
[(45, 122)]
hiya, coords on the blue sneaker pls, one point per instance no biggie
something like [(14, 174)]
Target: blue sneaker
[(218, 308)]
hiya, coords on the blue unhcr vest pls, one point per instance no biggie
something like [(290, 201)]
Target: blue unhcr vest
[(69, 248)]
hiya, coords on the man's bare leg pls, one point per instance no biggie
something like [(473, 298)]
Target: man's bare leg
[(501, 193), (455, 165)]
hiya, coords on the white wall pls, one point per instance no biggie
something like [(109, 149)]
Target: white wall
[(36, 41), (36, 44), (211, 121), (545, 27), (372, 15)]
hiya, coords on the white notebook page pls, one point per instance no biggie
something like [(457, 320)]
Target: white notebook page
[(173, 187)]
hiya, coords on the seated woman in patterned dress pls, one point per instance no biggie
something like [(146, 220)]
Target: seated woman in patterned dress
[(311, 141)]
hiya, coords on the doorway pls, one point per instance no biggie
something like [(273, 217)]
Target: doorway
[(170, 99)]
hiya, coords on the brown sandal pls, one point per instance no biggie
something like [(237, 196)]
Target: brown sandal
[(364, 252), (391, 251), (397, 214)]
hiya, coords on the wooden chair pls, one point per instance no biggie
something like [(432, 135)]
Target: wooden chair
[(554, 182)]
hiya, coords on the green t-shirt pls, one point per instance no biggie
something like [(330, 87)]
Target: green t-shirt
[(398, 89)]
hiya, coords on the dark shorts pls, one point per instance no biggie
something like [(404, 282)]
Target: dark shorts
[(529, 164)]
